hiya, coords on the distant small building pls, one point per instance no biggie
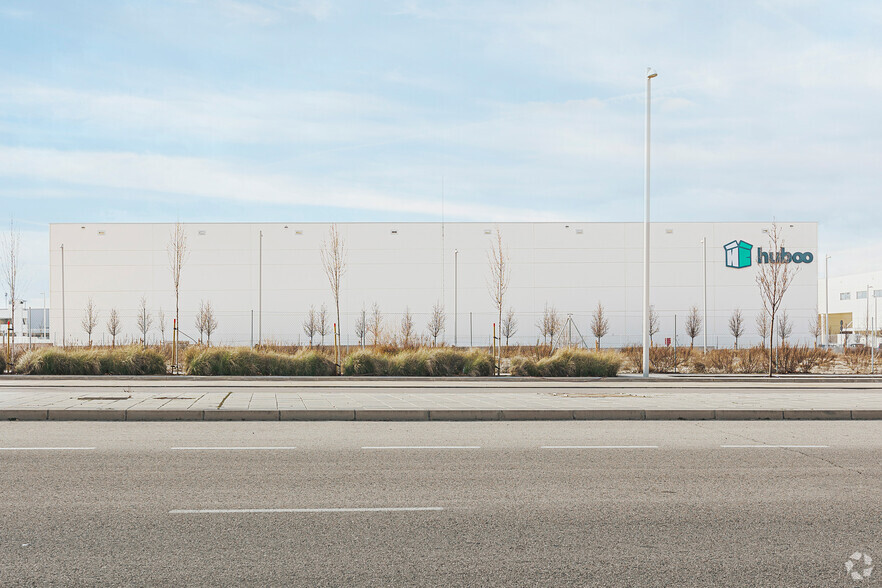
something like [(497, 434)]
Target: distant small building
[(28, 321), (853, 306)]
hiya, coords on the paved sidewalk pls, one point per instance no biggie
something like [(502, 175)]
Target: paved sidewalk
[(176, 399)]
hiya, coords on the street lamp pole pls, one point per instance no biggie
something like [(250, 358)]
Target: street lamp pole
[(455, 293), (650, 73), (63, 333), (704, 269), (827, 296), (260, 290)]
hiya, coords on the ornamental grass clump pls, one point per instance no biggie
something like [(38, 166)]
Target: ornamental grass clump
[(569, 363), (125, 361), (441, 362), (244, 361)]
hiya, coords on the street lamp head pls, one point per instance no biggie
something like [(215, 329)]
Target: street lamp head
[(650, 73)]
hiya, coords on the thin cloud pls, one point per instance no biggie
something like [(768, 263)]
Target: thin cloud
[(201, 178)]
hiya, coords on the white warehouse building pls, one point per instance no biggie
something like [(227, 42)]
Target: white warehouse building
[(261, 278)]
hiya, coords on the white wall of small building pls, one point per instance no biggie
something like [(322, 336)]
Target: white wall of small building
[(571, 266), (850, 294)]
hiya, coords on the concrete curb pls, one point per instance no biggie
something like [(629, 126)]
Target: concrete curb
[(482, 414)]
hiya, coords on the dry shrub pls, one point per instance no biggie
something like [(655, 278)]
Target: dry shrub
[(814, 358), (661, 359), (697, 365), (721, 361), (753, 360), (633, 357), (857, 359), (666, 359)]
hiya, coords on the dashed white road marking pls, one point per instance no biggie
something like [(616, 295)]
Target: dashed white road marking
[(304, 510), (422, 447), (600, 447), (246, 448), (774, 446), (45, 448)]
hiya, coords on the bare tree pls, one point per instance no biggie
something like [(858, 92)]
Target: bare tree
[(113, 326), (200, 320), (509, 325), (599, 324), (145, 321), (406, 327), (361, 326), (321, 324), (736, 325), (210, 322), (90, 319), (785, 326), (161, 320), (333, 255), (310, 324), (178, 253), (500, 275), (436, 322), (693, 325), (762, 327), (654, 322), (815, 327), (550, 325), (773, 279), (375, 324), (11, 258)]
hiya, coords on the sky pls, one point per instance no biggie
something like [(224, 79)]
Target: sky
[(326, 110)]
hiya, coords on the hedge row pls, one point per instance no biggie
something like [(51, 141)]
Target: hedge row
[(123, 361), (419, 362), (244, 361), (569, 363)]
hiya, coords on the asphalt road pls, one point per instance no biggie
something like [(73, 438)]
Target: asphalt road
[(491, 504)]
